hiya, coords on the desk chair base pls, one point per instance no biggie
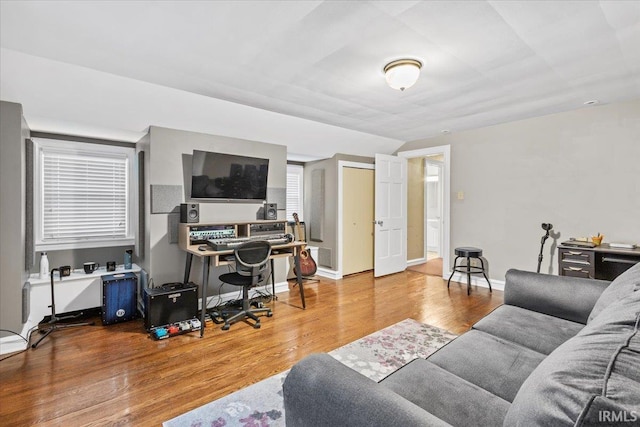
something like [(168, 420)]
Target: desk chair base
[(246, 313)]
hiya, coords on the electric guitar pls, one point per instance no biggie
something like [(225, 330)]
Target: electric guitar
[(308, 266)]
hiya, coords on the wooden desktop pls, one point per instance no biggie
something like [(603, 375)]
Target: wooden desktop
[(225, 257)]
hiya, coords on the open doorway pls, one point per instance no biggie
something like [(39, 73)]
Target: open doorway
[(428, 210)]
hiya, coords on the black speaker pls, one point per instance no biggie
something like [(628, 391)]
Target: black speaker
[(189, 212), (270, 211), (170, 303)]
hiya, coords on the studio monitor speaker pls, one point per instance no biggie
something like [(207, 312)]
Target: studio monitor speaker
[(270, 211), (189, 212)]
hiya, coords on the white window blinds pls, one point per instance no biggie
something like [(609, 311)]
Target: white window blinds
[(84, 195), (294, 191)]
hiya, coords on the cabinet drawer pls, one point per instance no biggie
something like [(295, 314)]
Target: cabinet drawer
[(567, 269), (576, 256)]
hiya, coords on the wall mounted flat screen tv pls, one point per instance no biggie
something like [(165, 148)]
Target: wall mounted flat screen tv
[(218, 176)]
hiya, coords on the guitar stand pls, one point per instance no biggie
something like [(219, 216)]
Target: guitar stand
[(310, 279), (53, 322)]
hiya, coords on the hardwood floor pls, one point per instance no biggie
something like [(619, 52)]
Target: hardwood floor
[(118, 375)]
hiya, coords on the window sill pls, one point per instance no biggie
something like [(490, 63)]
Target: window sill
[(79, 274), (45, 247)]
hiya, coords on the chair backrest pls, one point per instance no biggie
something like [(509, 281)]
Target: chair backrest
[(252, 259)]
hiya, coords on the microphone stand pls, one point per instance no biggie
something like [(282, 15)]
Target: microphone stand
[(546, 227), (53, 322)]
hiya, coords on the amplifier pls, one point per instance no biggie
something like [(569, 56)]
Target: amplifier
[(170, 303), (119, 297), (201, 233), (267, 228)]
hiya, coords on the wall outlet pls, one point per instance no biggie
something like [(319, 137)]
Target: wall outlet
[(460, 195)]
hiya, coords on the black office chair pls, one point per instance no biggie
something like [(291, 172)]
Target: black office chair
[(252, 268)]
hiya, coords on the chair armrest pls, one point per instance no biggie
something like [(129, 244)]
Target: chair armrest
[(569, 298), (320, 391)]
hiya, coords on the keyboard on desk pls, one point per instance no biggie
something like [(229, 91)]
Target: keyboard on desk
[(234, 242)]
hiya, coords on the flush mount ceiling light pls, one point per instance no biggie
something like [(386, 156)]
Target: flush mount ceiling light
[(402, 73)]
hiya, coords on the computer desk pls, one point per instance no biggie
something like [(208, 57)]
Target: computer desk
[(286, 250)]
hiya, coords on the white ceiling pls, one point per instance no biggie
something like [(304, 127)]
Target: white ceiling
[(484, 62)]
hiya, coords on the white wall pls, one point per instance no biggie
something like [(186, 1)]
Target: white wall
[(578, 170)]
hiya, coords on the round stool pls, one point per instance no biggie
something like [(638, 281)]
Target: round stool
[(468, 253)]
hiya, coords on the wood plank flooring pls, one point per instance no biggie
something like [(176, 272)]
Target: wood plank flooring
[(118, 376)]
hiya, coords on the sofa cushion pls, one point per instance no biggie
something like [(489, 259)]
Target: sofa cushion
[(494, 364), (319, 391), (448, 397), (623, 285), (601, 360), (537, 331)]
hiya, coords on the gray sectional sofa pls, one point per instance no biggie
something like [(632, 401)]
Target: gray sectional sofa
[(561, 351)]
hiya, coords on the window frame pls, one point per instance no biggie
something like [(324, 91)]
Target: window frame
[(297, 170), (69, 147)]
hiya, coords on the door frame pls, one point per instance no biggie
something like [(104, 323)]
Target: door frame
[(440, 166), (345, 164), (445, 150)]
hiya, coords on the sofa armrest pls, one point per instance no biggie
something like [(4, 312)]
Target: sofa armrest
[(569, 298), (320, 391)]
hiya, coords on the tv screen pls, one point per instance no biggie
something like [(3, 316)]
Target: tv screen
[(228, 177)]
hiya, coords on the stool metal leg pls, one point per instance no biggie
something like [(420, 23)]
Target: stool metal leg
[(468, 276), (453, 271), (485, 275)]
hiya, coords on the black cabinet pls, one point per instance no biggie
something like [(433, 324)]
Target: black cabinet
[(602, 262)]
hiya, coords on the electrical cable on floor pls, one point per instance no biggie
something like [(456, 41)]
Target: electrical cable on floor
[(27, 339)]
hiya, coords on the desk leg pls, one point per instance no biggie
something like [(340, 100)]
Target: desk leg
[(296, 260), (187, 268), (205, 283), (273, 282)]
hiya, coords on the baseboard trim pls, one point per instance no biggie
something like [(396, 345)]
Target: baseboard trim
[(329, 274), (11, 344), (254, 292), (417, 261), (475, 281)]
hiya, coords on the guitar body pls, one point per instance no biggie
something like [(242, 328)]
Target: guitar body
[(308, 266)]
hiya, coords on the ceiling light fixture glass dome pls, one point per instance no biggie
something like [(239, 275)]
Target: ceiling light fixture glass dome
[(402, 73)]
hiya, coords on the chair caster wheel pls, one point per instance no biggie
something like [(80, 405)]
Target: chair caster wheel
[(225, 327), (269, 314), (256, 326)]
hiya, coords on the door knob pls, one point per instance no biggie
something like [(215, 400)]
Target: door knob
[(378, 222)]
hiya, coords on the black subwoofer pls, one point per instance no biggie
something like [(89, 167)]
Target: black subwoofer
[(189, 213)]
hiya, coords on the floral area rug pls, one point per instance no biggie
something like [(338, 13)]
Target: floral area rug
[(374, 356)]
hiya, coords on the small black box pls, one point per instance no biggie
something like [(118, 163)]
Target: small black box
[(170, 303), (119, 297)]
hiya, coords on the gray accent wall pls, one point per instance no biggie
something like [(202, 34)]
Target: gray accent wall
[(168, 162), (13, 133), (578, 170)]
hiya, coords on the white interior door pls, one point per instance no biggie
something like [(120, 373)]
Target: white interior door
[(390, 215)]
